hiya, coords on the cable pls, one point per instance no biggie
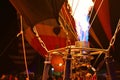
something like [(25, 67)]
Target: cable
[(92, 9), (112, 41), (24, 51), (96, 13), (39, 39), (69, 20), (75, 7), (4, 50), (93, 21)]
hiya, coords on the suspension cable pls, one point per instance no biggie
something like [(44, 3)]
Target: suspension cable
[(76, 7), (93, 21), (112, 41), (39, 39), (96, 13), (24, 50), (66, 24), (92, 9)]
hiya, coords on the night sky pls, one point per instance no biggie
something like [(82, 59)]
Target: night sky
[(10, 27)]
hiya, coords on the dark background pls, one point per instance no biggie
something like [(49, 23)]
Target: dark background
[(9, 28), (11, 59)]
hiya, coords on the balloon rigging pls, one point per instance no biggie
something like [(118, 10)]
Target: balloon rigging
[(71, 9)]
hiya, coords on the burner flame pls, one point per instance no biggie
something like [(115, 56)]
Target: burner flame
[(80, 13)]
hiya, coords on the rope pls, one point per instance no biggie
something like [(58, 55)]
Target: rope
[(24, 51), (70, 28), (39, 39), (112, 41), (96, 13)]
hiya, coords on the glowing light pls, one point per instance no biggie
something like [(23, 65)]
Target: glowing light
[(80, 11), (60, 64), (52, 69)]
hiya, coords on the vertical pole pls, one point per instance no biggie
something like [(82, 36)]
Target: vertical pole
[(47, 65), (68, 68)]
